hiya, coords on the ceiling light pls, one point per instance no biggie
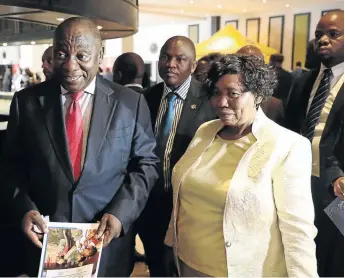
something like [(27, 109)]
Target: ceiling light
[(192, 2), (4, 44), (244, 10), (219, 6), (182, 11), (60, 19), (33, 42), (287, 5), (264, 1), (99, 27)]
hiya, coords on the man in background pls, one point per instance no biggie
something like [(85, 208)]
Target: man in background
[(129, 70), (298, 71), (316, 110), (47, 63), (178, 106)]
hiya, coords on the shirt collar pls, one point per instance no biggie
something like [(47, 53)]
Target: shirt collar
[(336, 70), (89, 89), (133, 85), (181, 91)]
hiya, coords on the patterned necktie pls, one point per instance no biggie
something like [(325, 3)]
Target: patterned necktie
[(165, 126), (317, 105), (74, 128)]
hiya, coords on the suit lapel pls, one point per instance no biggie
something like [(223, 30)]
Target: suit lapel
[(102, 114), (52, 106), (190, 107), (337, 106)]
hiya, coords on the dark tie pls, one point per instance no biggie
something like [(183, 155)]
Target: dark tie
[(74, 128), (317, 105), (165, 126)]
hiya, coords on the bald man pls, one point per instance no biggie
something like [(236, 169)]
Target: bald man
[(47, 63), (80, 149), (250, 50), (178, 107), (128, 71), (204, 65), (316, 110)]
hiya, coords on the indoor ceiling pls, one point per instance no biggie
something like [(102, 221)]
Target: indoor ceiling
[(198, 9)]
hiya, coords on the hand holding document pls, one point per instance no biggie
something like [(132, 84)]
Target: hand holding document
[(70, 250), (335, 212)]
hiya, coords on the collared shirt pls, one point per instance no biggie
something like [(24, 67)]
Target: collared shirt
[(336, 81), (134, 85), (182, 92), (86, 104)]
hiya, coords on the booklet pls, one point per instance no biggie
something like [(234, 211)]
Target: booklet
[(335, 212), (70, 250)]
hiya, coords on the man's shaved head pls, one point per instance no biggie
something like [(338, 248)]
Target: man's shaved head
[(83, 23), (77, 53), (329, 38), (176, 61), (128, 68), (187, 43), (250, 50)]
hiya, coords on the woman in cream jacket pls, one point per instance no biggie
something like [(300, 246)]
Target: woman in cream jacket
[(242, 196)]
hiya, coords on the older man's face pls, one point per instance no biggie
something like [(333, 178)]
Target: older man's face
[(77, 56)]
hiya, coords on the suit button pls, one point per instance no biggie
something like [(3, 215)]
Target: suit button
[(228, 244)]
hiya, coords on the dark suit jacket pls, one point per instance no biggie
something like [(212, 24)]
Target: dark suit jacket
[(190, 119), (330, 167), (136, 89), (120, 164), (284, 84)]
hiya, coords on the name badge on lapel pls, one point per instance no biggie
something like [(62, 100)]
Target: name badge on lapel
[(193, 106)]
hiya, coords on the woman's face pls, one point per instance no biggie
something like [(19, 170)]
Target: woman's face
[(234, 107)]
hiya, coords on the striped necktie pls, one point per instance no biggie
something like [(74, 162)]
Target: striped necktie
[(317, 105)]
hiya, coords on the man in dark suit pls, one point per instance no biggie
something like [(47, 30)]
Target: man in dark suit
[(316, 109), (79, 149), (128, 71), (178, 107)]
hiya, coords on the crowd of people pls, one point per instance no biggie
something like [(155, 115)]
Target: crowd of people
[(223, 169)]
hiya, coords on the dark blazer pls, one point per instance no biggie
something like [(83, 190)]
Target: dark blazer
[(190, 119), (153, 223), (296, 116), (119, 169)]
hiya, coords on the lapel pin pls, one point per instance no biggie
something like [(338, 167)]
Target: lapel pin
[(193, 106)]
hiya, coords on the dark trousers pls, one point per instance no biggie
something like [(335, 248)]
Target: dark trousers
[(152, 226), (329, 241)]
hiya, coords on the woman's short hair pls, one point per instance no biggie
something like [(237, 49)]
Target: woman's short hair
[(255, 76)]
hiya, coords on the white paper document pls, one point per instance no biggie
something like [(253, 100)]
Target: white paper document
[(70, 250), (335, 212)]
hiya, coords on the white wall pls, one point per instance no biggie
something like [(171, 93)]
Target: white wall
[(12, 54), (30, 56), (288, 27)]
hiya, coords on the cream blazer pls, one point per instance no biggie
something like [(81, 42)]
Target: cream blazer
[(268, 221)]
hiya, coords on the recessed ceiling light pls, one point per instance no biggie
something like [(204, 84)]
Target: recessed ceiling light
[(99, 27), (192, 2), (264, 1), (4, 44), (244, 10), (60, 19), (287, 5), (219, 6), (33, 42), (182, 11)]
